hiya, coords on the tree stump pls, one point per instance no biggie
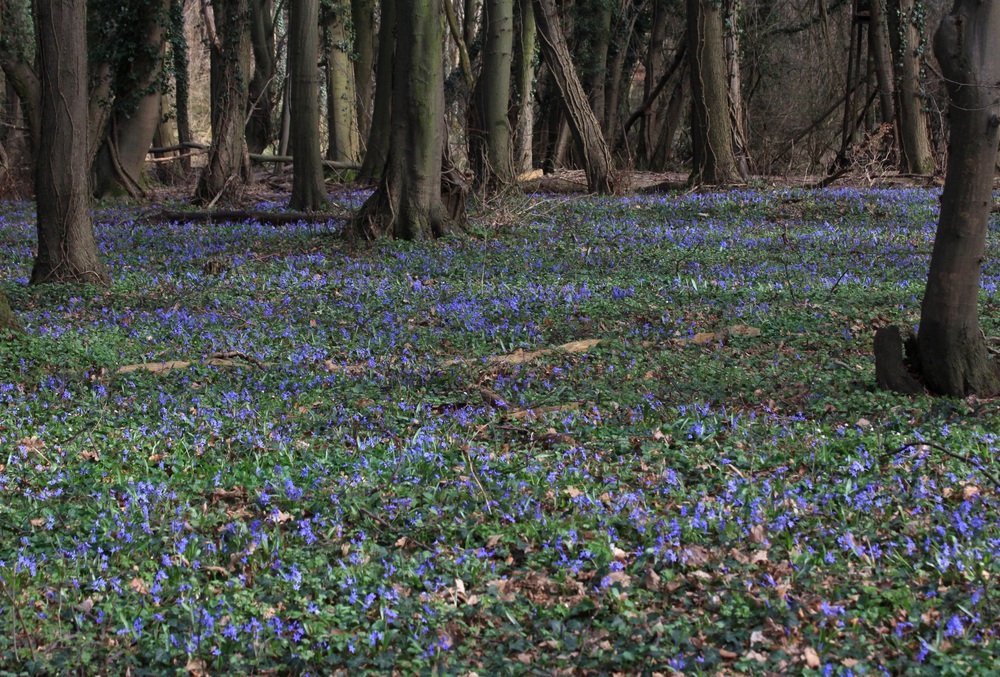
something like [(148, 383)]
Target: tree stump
[(894, 349)]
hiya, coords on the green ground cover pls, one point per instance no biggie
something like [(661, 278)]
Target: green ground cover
[(632, 435)]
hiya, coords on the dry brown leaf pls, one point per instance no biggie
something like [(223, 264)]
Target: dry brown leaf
[(728, 655), (90, 456), (196, 667), (138, 586), (572, 492), (37, 521), (621, 578), (694, 555), (758, 534), (755, 656), (539, 412), (704, 338), (491, 541), (812, 658)]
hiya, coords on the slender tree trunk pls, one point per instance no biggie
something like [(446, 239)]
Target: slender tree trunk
[(67, 249), (878, 45), (377, 146), (260, 122), (169, 173), (308, 188), (953, 353), (228, 164), (489, 135), (711, 129), (341, 96), (914, 137), (734, 85), (655, 63), (407, 204), (524, 74), (365, 40), (182, 90), (135, 116), (582, 121)]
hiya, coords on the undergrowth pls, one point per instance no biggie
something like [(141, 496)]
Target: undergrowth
[(632, 435)]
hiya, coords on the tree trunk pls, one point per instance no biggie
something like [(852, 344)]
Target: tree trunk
[(407, 204), (135, 115), (655, 63), (363, 20), (169, 173), (917, 156), (489, 136), (878, 45), (377, 146), (524, 74), (228, 165), (8, 321), (67, 249), (953, 354), (582, 121), (734, 85), (711, 130), (308, 188), (182, 89), (260, 121), (341, 96)]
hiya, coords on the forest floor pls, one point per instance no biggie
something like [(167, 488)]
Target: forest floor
[(593, 435)]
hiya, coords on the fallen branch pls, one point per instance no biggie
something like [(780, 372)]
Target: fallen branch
[(271, 218), (255, 157)]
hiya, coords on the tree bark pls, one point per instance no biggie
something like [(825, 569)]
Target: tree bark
[(135, 115), (182, 89), (711, 130), (734, 85), (653, 111), (523, 74), (377, 146), (363, 20), (67, 249), (407, 204), (878, 45), (228, 166), (341, 96), (489, 135), (914, 138), (260, 122), (953, 354), (308, 188), (582, 121)]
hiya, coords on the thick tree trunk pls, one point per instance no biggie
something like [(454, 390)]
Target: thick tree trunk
[(67, 249), (523, 74), (953, 354), (308, 188), (365, 40), (582, 121), (489, 135), (917, 156), (135, 116), (377, 146), (260, 121), (341, 96), (407, 204), (711, 129), (228, 166)]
